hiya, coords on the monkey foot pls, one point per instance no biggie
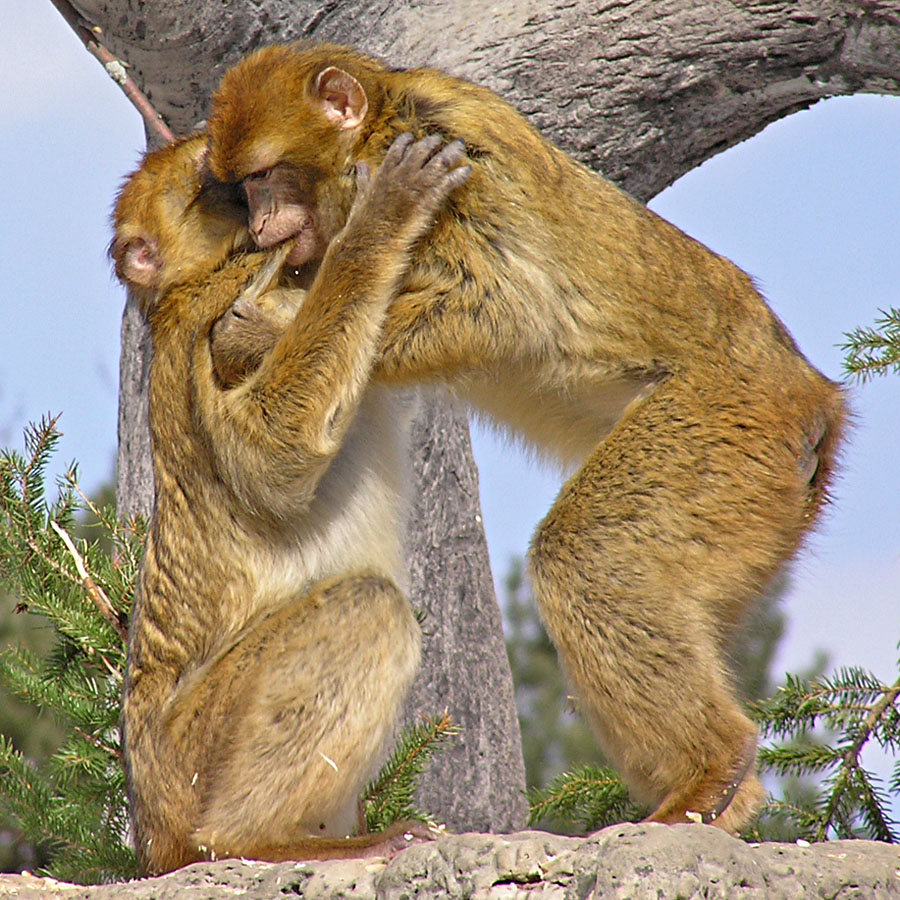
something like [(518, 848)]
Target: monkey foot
[(728, 805)]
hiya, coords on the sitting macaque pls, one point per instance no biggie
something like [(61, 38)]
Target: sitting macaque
[(555, 304), (271, 643)]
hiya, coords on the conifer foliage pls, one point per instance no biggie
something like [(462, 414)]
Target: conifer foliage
[(74, 805), (857, 710), (389, 797), (874, 351)]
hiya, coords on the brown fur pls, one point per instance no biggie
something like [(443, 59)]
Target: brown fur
[(570, 314), (240, 340), (271, 586)]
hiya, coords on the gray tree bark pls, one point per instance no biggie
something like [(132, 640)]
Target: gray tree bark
[(642, 90)]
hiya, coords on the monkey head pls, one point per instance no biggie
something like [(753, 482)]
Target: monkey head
[(173, 222), (289, 122)]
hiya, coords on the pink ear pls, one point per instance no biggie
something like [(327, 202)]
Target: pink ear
[(343, 99), (140, 263)]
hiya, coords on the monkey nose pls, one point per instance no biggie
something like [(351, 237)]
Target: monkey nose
[(258, 223)]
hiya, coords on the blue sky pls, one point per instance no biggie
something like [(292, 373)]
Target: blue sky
[(811, 208)]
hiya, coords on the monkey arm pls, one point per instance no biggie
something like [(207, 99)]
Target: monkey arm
[(290, 417), (241, 339)]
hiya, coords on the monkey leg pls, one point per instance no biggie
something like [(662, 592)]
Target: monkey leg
[(292, 720), (641, 570)]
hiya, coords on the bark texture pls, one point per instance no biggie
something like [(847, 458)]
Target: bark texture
[(643, 90), (477, 782)]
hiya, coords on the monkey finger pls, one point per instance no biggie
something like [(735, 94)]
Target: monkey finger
[(458, 176), (363, 175), (422, 151), (398, 149), (451, 154)]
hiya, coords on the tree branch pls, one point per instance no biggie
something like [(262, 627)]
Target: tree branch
[(95, 592), (116, 69)]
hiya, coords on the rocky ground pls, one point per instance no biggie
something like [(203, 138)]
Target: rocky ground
[(637, 862)]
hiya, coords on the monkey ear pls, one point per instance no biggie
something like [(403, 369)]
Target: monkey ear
[(343, 99), (138, 263)]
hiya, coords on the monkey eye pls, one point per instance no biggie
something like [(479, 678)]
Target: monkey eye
[(259, 176)]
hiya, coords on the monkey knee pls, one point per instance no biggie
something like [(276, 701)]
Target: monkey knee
[(374, 598)]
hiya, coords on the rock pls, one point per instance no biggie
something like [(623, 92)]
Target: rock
[(624, 862)]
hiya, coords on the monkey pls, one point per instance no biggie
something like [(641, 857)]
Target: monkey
[(701, 443), (271, 642)]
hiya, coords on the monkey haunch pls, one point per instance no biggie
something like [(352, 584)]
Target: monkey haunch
[(572, 315), (271, 644)]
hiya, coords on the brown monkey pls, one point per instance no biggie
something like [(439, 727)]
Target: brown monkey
[(271, 643), (572, 315)]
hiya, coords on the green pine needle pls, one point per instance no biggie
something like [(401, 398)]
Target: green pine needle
[(390, 797), (589, 796), (856, 709), (874, 351), (73, 804)]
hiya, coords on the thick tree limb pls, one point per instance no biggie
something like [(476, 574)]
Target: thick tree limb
[(642, 90)]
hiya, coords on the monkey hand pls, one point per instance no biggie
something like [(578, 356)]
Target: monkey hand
[(410, 186), (243, 336)]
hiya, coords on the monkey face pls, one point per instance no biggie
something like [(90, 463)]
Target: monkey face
[(287, 124), (174, 221)]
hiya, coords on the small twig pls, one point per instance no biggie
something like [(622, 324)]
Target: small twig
[(876, 711), (115, 68), (112, 751), (89, 504), (43, 436), (113, 671), (95, 592)]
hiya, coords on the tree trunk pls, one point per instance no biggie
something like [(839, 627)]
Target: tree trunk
[(642, 90)]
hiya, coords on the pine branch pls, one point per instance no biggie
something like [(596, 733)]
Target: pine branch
[(389, 798), (874, 351), (588, 797), (852, 777), (97, 594), (73, 804), (799, 758), (863, 709)]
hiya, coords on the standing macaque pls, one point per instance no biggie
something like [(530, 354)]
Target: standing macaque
[(568, 313), (271, 643)]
